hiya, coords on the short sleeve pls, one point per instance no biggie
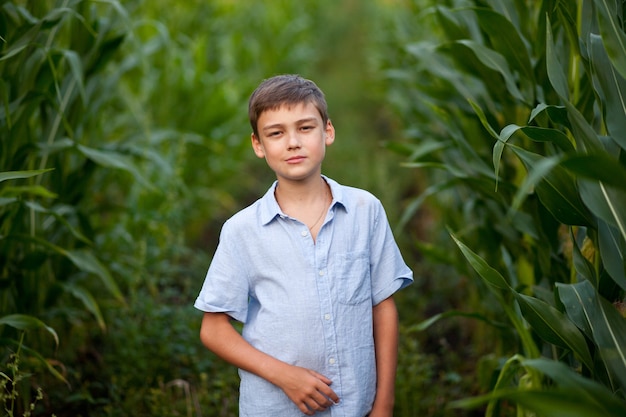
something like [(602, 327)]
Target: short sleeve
[(389, 272), (225, 288)]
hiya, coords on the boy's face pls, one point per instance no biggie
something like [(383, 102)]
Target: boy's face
[(293, 141)]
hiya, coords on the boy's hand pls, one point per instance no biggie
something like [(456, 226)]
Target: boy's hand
[(309, 390)]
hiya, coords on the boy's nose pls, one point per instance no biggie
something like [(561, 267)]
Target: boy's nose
[(293, 141)]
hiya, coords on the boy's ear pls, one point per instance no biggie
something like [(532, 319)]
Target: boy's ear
[(257, 146), (330, 133)]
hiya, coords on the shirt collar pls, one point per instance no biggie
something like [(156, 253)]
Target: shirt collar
[(270, 209)]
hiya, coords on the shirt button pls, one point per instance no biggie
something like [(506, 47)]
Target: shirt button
[(327, 316), (331, 361), (304, 233), (322, 272)]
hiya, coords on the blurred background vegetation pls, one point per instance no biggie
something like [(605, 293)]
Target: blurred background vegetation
[(492, 131)]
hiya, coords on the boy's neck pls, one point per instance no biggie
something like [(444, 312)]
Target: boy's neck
[(305, 192)]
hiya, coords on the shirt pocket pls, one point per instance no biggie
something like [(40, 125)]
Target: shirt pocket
[(353, 278)]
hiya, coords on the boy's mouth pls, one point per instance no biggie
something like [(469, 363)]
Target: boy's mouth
[(295, 159)]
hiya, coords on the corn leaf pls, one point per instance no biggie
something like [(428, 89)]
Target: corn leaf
[(554, 67), (88, 301), (555, 187), (554, 327), (489, 274), (612, 34), (36, 207), (13, 175), (589, 391), (586, 138), (26, 322), (613, 88), (495, 61), (612, 251), (605, 202), (86, 261), (33, 190), (573, 395), (115, 160), (31, 352), (583, 267), (599, 167), (505, 39), (605, 325)]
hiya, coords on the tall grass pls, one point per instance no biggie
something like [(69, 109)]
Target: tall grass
[(51, 63), (516, 118)]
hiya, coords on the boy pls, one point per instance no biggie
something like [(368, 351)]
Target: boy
[(310, 269)]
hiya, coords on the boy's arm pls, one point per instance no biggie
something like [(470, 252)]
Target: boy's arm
[(385, 319), (308, 389)]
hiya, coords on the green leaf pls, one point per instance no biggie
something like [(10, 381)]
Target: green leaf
[(603, 323), (571, 395), (554, 67), (493, 60), (34, 190), (46, 363), (416, 203), (88, 301), (539, 171), (537, 134), (599, 167), (586, 390), (22, 43), (483, 120), (586, 138), (449, 23), (613, 88), (419, 327), (605, 202), (76, 68), (40, 209), (554, 327), (489, 274), (83, 259), (5, 201), (612, 251), (612, 34), (13, 175), (26, 322), (557, 114), (542, 134), (86, 261), (583, 267), (555, 187), (561, 403), (114, 160), (505, 38)]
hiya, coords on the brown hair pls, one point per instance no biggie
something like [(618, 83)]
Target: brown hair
[(287, 90)]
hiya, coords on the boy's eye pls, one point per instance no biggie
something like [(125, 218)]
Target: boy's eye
[(307, 127)]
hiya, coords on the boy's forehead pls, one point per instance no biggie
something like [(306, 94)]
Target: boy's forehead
[(288, 112)]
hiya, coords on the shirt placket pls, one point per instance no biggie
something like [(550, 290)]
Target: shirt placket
[(333, 361)]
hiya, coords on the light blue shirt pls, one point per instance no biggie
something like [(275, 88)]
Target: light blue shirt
[(307, 303)]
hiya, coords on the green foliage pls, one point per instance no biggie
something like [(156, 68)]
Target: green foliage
[(516, 119), (10, 382), (123, 137)]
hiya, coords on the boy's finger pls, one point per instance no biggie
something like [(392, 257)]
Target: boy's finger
[(320, 377), (329, 393), (326, 390)]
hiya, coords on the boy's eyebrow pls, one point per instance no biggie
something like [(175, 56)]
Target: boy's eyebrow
[(300, 121)]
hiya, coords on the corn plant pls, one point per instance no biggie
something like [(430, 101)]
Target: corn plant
[(517, 119), (52, 56)]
